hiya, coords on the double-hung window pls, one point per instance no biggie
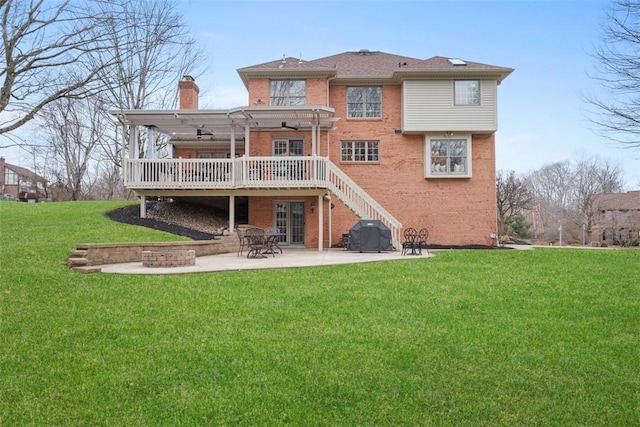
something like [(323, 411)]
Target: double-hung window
[(466, 92), (448, 158), (359, 151), (364, 102), (288, 92), (288, 147)]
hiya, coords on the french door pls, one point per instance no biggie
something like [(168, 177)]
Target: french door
[(290, 222)]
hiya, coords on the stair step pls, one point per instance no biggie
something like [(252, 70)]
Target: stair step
[(87, 270), (78, 253), (78, 262)]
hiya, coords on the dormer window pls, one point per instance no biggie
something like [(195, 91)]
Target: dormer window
[(288, 92)]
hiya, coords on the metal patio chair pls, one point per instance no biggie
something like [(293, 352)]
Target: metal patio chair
[(242, 241), (255, 242), (423, 235), (410, 241)]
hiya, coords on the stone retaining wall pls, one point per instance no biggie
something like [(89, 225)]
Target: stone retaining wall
[(168, 258), (92, 254)]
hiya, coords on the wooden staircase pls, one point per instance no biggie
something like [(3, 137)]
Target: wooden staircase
[(359, 201)]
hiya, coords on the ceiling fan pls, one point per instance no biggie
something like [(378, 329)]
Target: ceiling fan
[(200, 133), (284, 126)]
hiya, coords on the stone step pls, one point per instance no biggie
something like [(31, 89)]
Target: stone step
[(78, 262), (78, 253), (87, 270)]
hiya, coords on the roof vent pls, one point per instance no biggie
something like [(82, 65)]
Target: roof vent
[(364, 52), (456, 61)]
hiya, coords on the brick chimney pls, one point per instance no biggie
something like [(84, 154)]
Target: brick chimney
[(188, 93)]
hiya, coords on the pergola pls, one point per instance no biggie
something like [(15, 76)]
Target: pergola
[(226, 125)]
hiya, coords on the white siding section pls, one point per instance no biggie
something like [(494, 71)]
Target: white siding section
[(428, 106)]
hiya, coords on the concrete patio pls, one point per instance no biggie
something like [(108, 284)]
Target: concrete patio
[(289, 259)]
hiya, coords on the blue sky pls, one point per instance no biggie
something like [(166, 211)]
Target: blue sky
[(542, 114)]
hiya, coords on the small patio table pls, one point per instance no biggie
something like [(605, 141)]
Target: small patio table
[(272, 238)]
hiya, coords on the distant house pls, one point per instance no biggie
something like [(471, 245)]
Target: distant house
[(616, 217), (20, 182), (324, 143)]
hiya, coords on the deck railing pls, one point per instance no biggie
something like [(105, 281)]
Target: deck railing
[(159, 174), (243, 172), (257, 172)]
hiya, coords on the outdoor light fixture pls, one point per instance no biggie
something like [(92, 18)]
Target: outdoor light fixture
[(313, 206), (448, 133), (397, 131)]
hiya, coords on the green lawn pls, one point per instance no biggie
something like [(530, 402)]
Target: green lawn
[(547, 337)]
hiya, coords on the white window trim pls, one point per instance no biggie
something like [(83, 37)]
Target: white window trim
[(479, 93), (364, 103), (429, 173), (288, 141), (352, 142), (288, 97)]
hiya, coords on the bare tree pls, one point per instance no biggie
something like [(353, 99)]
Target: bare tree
[(513, 197), (564, 192), (618, 70), (163, 52), (47, 53), (73, 128), (153, 50), (550, 186), (592, 176)]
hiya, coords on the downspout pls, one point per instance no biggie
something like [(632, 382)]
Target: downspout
[(320, 223), (328, 139), (327, 197)]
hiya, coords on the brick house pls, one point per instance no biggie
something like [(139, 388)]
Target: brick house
[(15, 180), (324, 143), (616, 217)]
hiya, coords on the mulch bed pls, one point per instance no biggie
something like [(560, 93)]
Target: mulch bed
[(131, 215)]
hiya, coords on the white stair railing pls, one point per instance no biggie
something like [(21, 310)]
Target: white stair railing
[(259, 172), (359, 201)]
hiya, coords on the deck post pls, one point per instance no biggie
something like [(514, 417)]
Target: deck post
[(232, 212), (232, 156), (143, 206), (320, 205)]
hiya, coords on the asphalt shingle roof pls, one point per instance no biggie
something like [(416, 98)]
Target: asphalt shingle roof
[(24, 172), (618, 201), (370, 65)]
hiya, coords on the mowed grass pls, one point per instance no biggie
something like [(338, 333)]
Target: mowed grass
[(547, 337)]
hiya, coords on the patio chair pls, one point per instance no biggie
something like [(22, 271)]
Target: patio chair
[(272, 238), (410, 241), (242, 241), (344, 242), (255, 242), (423, 235)]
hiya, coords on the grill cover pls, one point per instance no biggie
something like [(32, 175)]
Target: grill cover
[(370, 235)]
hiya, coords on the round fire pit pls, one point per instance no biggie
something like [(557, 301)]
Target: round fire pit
[(168, 258)]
